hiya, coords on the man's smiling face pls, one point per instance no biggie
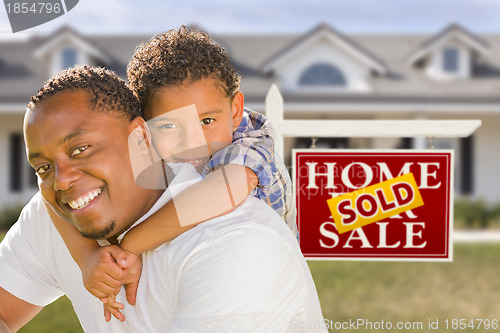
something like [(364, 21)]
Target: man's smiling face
[(82, 161)]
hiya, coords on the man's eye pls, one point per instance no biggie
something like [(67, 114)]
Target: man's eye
[(79, 150), (43, 169), (207, 121)]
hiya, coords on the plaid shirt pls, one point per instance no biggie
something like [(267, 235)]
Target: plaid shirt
[(253, 147)]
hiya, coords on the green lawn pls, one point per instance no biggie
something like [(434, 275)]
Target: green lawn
[(468, 288), (58, 317)]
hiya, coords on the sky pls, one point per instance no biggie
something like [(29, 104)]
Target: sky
[(271, 16)]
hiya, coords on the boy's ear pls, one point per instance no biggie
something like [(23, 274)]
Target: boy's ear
[(237, 106), (140, 127)]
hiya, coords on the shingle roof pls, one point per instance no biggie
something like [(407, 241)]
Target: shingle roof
[(324, 27), (21, 74)]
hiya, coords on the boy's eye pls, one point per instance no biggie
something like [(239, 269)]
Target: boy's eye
[(166, 126), (207, 121), (79, 150), (43, 169)]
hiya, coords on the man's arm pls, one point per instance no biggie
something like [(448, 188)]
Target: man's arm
[(14, 312)]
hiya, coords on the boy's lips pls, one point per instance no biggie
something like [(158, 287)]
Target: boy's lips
[(84, 200), (194, 162)]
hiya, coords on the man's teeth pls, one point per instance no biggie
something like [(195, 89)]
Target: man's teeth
[(85, 200)]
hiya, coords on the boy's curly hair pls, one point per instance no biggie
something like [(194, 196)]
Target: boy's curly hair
[(175, 56), (107, 92)]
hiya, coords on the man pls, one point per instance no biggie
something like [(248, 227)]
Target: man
[(241, 272)]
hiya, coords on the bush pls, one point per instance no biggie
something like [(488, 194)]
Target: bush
[(9, 215), (475, 214)]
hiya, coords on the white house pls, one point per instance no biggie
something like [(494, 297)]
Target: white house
[(322, 74)]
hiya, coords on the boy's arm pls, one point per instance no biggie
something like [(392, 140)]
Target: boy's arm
[(100, 273), (252, 150), (218, 193), (79, 247)]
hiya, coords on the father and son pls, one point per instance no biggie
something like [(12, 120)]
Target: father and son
[(168, 187)]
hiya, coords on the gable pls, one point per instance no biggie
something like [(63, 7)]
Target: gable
[(450, 54), (337, 63), (66, 48)]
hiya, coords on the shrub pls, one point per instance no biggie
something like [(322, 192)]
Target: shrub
[(9, 215), (475, 214)]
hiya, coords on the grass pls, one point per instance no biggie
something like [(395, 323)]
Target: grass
[(468, 288), (57, 317)]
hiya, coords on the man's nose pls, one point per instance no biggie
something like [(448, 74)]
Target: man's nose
[(193, 137), (65, 175)]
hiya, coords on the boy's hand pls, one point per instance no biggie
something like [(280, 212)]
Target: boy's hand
[(132, 264), (112, 307), (102, 274)]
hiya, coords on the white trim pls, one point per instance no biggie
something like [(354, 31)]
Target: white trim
[(76, 41), (476, 236), (459, 34), (336, 41), (392, 107), (13, 107), (301, 107)]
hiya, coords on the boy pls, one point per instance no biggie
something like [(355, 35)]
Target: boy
[(174, 71)]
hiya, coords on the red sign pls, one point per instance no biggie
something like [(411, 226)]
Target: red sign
[(374, 205)]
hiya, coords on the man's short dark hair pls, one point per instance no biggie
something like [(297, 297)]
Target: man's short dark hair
[(178, 56), (107, 92)]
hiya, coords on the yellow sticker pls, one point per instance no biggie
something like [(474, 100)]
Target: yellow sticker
[(374, 203)]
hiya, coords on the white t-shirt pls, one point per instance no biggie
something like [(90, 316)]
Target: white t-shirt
[(241, 272)]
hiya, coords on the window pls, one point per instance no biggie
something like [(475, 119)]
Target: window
[(322, 143), (467, 166), (21, 174), (68, 58), (450, 60), (322, 75), (405, 143), (15, 162)]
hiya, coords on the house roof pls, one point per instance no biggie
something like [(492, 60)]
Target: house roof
[(22, 74), (68, 34), (453, 30), (350, 45)]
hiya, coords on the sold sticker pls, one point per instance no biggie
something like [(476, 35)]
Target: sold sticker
[(374, 203)]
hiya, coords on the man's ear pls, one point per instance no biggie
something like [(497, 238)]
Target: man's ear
[(141, 129), (237, 106)]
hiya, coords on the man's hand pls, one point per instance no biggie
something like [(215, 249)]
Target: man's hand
[(131, 282)]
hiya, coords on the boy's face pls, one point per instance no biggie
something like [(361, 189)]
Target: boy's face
[(82, 161), (188, 123)]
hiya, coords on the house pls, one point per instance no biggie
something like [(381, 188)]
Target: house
[(322, 74)]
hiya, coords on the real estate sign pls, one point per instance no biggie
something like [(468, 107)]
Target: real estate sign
[(374, 205)]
